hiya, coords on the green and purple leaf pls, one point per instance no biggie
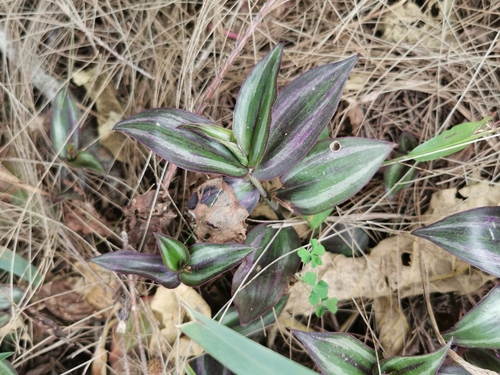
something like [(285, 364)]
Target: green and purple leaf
[(209, 260), (160, 130), (149, 266), (479, 328), (472, 235), (300, 114), (174, 253), (415, 365), (207, 365), (64, 130), (252, 114), (338, 353), (331, 173), (274, 264)]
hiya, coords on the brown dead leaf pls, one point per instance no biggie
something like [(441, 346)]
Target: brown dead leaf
[(392, 325), (82, 217), (395, 265), (166, 306), (223, 218), (109, 109), (76, 298), (139, 223)]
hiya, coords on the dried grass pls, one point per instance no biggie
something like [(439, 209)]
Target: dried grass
[(438, 69)]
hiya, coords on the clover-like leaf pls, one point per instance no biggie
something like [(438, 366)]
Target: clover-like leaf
[(275, 267), (160, 130), (471, 235), (338, 353), (332, 172), (300, 114), (149, 266), (209, 260), (414, 365), (479, 328), (252, 114), (174, 253)]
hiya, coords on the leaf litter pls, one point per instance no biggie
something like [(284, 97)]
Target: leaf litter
[(422, 70)]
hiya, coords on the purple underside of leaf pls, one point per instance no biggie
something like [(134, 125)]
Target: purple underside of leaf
[(266, 290), (301, 112), (471, 235), (149, 266), (158, 130)]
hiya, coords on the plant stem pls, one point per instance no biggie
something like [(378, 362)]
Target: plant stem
[(263, 193)]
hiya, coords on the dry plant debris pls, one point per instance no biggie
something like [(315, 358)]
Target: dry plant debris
[(422, 68)]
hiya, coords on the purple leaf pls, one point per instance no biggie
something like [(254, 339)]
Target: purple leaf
[(160, 131), (472, 235), (264, 292), (149, 266), (247, 194), (301, 112), (174, 253)]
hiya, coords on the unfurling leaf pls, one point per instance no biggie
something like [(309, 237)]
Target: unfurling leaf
[(252, 114), (149, 266), (210, 260), (479, 328), (471, 235), (300, 114), (275, 267), (338, 353), (175, 254), (332, 172), (160, 130)]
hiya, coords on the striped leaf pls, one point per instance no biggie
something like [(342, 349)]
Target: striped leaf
[(160, 131), (332, 172), (471, 235), (415, 365), (300, 114), (252, 114), (479, 328), (338, 353)]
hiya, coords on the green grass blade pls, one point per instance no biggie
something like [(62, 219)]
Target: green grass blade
[(17, 265), (238, 353)]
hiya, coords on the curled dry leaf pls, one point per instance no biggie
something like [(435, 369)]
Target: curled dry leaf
[(82, 217), (396, 264), (392, 325), (166, 306), (81, 297), (139, 224), (218, 216)]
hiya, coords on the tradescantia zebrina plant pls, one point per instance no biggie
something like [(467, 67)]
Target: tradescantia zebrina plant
[(274, 135)]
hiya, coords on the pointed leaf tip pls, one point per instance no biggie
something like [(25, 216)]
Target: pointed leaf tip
[(160, 130), (252, 114), (471, 235), (332, 172), (301, 112)]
